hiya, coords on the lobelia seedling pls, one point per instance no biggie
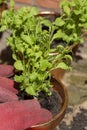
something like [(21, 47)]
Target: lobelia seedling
[(3, 1), (31, 46), (3, 6), (72, 23)]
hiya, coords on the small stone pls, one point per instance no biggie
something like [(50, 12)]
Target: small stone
[(85, 127)]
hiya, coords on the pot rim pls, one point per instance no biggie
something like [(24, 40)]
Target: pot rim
[(47, 12)]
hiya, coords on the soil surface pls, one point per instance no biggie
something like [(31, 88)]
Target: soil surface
[(52, 103)]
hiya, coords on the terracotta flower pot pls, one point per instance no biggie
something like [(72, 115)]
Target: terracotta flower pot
[(49, 14), (58, 73), (51, 125)]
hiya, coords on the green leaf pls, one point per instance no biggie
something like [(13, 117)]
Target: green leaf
[(14, 56), (18, 65), (77, 12), (58, 35), (3, 28), (59, 22), (46, 23), (12, 3), (67, 10), (38, 54), (65, 6), (59, 56), (77, 2), (20, 48), (27, 39), (33, 76), (85, 25), (63, 65), (34, 11), (30, 90), (18, 22), (44, 64), (70, 26), (60, 48), (18, 79), (4, 13), (68, 57)]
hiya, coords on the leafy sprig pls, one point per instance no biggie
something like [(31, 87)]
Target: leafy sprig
[(31, 47), (3, 1), (72, 23)]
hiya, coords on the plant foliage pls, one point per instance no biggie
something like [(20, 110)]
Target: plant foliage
[(32, 52), (3, 1), (73, 21)]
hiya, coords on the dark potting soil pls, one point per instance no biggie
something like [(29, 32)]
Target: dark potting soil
[(55, 43), (52, 102)]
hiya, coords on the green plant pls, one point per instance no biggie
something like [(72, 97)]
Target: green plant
[(72, 23), (3, 6), (3, 1), (31, 47)]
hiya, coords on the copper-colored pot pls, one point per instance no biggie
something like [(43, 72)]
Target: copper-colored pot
[(49, 14), (58, 73), (51, 125), (44, 13)]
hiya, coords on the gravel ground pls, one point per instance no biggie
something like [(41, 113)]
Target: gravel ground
[(79, 122)]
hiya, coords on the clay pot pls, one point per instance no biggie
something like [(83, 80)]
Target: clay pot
[(51, 15), (51, 125), (58, 73)]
